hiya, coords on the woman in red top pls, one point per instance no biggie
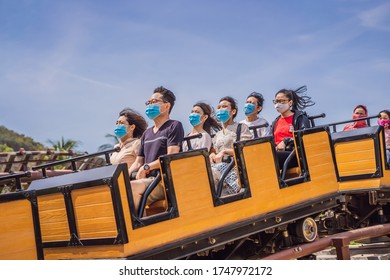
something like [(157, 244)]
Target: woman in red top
[(360, 111), (289, 103)]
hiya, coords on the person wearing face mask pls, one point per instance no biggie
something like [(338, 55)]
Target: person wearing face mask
[(202, 122), (223, 142), (290, 105), (360, 111), (164, 137), (384, 120), (252, 109), (129, 128)]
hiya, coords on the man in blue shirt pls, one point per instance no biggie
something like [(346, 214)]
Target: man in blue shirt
[(164, 137)]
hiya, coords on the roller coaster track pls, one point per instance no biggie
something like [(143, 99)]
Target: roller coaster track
[(340, 241)]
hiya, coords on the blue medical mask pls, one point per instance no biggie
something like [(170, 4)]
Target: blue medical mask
[(223, 115), (249, 108), (120, 130), (152, 111), (194, 119)]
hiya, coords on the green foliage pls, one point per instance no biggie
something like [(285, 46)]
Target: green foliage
[(63, 145), (15, 141), (5, 148)]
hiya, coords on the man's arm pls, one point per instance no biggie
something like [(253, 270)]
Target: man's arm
[(139, 161), (173, 149)]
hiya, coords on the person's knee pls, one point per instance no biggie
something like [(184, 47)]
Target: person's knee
[(137, 187)]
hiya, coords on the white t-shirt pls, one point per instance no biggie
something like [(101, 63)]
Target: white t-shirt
[(225, 138), (198, 143), (262, 131)]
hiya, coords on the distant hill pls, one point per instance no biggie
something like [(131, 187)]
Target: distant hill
[(11, 139)]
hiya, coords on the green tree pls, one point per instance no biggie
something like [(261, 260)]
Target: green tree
[(5, 148), (16, 141), (114, 140)]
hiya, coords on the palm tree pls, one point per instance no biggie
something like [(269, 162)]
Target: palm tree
[(64, 145), (108, 146)]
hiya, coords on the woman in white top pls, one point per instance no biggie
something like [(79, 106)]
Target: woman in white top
[(223, 142), (202, 122), (129, 128), (252, 109)]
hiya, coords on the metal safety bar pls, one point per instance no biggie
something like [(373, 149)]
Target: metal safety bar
[(188, 139), (17, 178), (312, 118), (333, 125), (74, 159), (255, 127)]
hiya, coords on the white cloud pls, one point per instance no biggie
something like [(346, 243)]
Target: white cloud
[(377, 18)]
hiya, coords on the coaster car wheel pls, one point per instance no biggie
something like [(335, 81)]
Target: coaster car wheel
[(306, 229)]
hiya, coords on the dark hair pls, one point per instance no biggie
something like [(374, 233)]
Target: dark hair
[(135, 118), (258, 96), (387, 112), (210, 125), (364, 107), (300, 100), (167, 96), (233, 103)]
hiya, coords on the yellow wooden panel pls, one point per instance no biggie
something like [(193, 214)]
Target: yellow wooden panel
[(96, 194), (355, 145), (368, 155), (53, 217), (17, 238), (355, 157), (193, 183), (94, 212)]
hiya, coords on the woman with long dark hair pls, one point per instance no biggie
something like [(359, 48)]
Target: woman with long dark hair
[(202, 122), (290, 104), (223, 143)]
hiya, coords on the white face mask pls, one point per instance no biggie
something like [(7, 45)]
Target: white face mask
[(281, 108)]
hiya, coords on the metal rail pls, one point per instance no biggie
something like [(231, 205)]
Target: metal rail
[(74, 159), (333, 125), (17, 178), (340, 241)]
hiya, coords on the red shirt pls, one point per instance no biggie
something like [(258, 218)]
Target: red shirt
[(283, 128)]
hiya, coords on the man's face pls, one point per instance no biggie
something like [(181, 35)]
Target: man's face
[(157, 99)]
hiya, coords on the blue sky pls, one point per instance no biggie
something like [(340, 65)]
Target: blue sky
[(68, 67)]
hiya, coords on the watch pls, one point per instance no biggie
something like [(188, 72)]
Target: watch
[(147, 168)]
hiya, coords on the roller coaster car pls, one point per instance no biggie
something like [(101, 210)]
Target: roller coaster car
[(90, 214), (363, 175)]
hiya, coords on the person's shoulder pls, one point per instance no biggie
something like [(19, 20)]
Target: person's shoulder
[(244, 121), (170, 123), (299, 113), (149, 130), (206, 135), (137, 141), (348, 127), (262, 120), (174, 124), (243, 125)]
